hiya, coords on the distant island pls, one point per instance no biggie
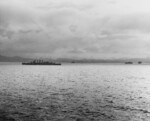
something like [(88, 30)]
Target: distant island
[(78, 60), (14, 59)]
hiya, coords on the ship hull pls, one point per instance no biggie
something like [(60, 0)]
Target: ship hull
[(40, 64)]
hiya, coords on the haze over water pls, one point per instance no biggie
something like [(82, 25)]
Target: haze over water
[(75, 92)]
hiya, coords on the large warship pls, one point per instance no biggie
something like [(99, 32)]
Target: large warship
[(40, 62)]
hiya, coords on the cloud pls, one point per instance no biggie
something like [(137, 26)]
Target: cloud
[(64, 28)]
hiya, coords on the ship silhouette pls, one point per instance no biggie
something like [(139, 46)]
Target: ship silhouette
[(129, 62), (40, 62)]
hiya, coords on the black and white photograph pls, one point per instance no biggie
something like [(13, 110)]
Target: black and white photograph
[(74, 60)]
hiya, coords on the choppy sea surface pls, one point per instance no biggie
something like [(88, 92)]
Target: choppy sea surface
[(75, 93)]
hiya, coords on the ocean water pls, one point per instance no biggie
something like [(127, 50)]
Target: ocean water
[(75, 92)]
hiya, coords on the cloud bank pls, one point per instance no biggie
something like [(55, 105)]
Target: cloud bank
[(69, 28)]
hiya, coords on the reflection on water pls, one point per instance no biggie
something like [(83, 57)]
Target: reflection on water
[(75, 93)]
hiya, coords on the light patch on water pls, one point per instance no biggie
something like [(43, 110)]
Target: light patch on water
[(75, 92)]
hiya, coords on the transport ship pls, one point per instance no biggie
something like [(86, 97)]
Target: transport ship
[(40, 62)]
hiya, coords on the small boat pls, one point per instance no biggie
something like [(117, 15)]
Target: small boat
[(139, 62), (40, 62), (128, 62)]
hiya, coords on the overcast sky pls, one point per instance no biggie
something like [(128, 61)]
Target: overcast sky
[(75, 28)]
